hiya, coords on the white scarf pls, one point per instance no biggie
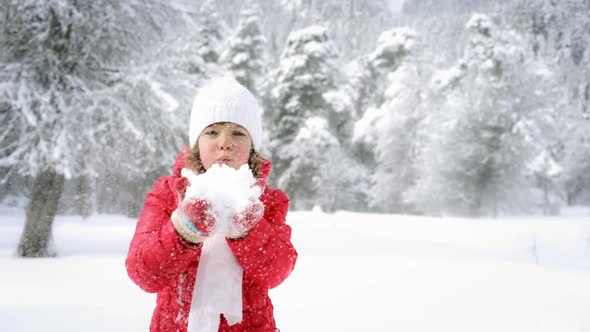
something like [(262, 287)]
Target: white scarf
[(218, 288)]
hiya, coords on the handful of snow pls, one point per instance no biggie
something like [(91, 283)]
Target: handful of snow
[(218, 288), (228, 190)]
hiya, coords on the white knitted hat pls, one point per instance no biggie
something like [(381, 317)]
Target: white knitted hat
[(223, 99)]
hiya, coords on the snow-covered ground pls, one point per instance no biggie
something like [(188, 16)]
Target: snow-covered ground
[(356, 272)]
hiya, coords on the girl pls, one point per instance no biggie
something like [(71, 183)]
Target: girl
[(164, 254)]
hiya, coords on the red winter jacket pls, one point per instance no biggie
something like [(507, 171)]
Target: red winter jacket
[(160, 261)]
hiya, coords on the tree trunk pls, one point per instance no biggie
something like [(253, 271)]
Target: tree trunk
[(84, 196), (546, 202), (45, 194)]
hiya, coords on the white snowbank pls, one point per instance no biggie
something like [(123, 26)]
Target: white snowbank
[(356, 272)]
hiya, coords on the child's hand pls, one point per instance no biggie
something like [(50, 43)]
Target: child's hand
[(242, 222), (198, 216), (183, 230)]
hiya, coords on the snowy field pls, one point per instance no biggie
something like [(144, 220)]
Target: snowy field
[(356, 272)]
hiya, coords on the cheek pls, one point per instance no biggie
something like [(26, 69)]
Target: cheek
[(207, 154), (243, 154)]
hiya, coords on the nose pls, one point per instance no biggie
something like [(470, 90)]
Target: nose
[(224, 142)]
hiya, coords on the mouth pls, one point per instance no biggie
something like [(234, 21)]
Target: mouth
[(223, 160)]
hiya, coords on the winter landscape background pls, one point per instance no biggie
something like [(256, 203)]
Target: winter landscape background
[(437, 155)]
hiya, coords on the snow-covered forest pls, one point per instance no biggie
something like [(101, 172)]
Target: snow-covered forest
[(455, 107)]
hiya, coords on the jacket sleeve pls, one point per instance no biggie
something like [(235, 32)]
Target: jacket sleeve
[(157, 254), (266, 253)]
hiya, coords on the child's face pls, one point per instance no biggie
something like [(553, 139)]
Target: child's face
[(224, 143)]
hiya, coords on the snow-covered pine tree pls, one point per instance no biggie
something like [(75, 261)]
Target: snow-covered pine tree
[(477, 153), (368, 82), (545, 132), (560, 36), (305, 73), (554, 114), (392, 132), (576, 142), (368, 74), (210, 33), (305, 87), (544, 171), (577, 166), (353, 24), (245, 55), (569, 37), (307, 155), (190, 54), (320, 173)]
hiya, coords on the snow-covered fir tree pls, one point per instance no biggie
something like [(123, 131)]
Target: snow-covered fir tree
[(559, 33), (307, 152), (306, 72), (386, 130), (320, 169), (569, 37), (305, 86), (392, 131), (369, 73), (545, 171), (353, 25), (210, 32), (476, 156), (245, 56), (369, 78)]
